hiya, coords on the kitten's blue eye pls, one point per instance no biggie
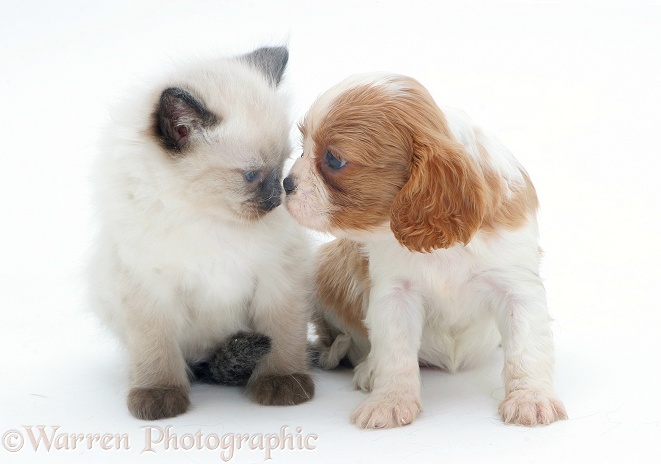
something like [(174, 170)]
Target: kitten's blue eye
[(251, 175), (334, 162)]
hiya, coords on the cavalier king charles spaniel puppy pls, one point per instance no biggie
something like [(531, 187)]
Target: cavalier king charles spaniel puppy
[(436, 258)]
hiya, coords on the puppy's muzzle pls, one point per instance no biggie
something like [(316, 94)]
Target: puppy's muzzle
[(289, 184)]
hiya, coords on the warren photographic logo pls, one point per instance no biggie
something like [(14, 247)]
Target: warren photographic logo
[(50, 439)]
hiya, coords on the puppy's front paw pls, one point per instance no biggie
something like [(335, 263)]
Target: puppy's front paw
[(386, 410), (157, 403), (282, 390), (531, 407), (363, 376)]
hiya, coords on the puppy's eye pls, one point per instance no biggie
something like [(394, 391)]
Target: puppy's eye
[(251, 175), (334, 162)]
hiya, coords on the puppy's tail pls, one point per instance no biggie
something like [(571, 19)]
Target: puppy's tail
[(232, 361)]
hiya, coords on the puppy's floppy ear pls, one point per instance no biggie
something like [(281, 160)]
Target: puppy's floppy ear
[(178, 116), (443, 201), (270, 61)]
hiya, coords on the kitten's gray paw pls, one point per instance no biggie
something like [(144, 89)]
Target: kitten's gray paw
[(157, 403), (282, 390)]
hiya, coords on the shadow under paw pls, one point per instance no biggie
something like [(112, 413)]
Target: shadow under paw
[(282, 390), (157, 403)]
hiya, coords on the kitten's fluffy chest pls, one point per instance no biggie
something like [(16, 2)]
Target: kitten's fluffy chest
[(211, 263), (218, 267)]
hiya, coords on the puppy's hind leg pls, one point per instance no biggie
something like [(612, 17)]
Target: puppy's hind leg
[(342, 294), (331, 346)]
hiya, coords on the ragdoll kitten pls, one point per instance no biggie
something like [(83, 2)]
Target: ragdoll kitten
[(196, 264)]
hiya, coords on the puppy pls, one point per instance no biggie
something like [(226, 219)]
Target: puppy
[(436, 260), (194, 254)]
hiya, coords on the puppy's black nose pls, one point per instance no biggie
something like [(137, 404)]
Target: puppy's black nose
[(289, 184)]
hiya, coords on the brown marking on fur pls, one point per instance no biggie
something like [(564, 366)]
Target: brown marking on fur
[(510, 213), (343, 282), (282, 390), (443, 201), (158, 402), (377, 156), (402, 165), (515, 212)]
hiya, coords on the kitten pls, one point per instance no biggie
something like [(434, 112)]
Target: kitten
[(193, 246)]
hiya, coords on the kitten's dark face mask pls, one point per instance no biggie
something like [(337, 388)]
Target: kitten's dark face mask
[(267, 190)]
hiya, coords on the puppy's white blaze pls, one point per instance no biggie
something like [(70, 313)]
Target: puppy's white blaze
[(324, 102), (309, 204)]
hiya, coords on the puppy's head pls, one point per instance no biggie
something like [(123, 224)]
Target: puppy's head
[(377, 153), (223, 133)]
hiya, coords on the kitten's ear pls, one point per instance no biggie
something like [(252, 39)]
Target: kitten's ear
[(179, 116), (271, 61)]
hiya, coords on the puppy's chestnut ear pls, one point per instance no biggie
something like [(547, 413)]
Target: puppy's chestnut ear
[(270, 61), (179, 115), (443, 201)]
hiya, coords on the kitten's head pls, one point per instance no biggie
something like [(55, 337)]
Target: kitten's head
[(223, 132)]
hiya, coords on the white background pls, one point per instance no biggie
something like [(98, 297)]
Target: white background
[(573, 88)]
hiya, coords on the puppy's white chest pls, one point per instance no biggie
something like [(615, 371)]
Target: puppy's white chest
[(440, 276)]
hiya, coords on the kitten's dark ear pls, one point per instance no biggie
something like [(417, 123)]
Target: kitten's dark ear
[(179, 116), (271, 61)]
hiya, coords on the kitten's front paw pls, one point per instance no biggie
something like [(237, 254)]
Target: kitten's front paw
[(157, 403), (363, 378), (387, 410), (282, 390), (531, 407)]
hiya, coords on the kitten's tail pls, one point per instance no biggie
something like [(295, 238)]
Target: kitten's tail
[(233, 361)]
